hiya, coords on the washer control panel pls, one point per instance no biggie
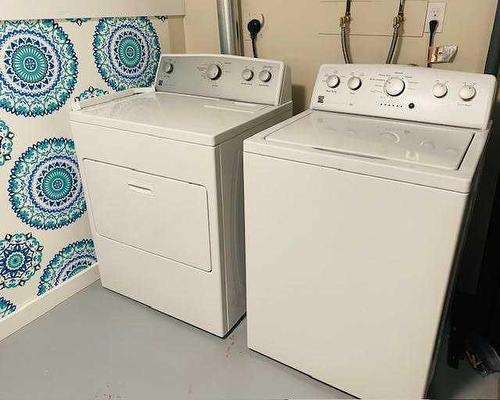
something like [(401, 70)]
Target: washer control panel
[(223, 76), (406, 92)]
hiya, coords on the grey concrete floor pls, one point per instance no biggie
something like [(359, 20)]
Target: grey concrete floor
[(100, 345)]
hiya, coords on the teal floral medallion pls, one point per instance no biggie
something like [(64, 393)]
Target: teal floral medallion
[(20, 258), (126, 51), (45, 188), (70, 261), (38, 67)]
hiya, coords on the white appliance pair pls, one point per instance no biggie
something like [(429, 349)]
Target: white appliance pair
[(354, 210), (162, 172)]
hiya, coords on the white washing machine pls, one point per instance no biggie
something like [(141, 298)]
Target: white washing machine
[(355, 211), (162, 172)]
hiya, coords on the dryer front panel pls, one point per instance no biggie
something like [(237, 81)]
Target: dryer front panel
[(159, 215)]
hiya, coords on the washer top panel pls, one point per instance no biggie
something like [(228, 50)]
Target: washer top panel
[(430, 146)]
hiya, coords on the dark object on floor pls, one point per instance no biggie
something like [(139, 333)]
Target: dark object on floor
[(481, 355)]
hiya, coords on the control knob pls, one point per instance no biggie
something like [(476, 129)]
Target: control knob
[(168, 68), (467, 92), (247, 74), (394, 86), (354, 83), (332, 81), (440, 90), (214, 72), (265, 75)]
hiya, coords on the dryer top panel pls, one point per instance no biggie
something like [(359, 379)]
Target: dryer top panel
[(193, 119), (225, 77), (425, 145)]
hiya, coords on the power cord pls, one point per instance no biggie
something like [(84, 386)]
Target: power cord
[(433, 24), (254, 27)]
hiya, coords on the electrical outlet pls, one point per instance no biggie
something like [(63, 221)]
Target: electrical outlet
[(250, 16), (435, 10)]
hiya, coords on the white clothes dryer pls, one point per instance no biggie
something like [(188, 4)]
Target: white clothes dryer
[(162, 173)]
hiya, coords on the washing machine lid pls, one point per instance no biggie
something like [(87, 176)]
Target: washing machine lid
[(424, 154), (201, 120), (419, 144)]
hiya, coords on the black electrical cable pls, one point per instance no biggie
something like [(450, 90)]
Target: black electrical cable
[(254, 47), (433, 24), (254, 27)]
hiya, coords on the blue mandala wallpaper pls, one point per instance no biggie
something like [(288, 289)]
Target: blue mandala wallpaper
[(45, 65)]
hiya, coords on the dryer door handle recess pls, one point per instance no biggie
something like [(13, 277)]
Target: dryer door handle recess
[(140, 187)]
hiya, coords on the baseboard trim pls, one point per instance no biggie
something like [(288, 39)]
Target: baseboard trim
[(41, 305)]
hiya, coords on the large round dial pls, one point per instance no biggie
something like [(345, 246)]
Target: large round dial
[(265, 75), (354, 83), (440, 90), (247, 74), (214, 72), (467, 92), (394, 86), (332, 81)]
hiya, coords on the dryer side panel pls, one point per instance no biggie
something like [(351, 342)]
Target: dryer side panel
[(233, 226)]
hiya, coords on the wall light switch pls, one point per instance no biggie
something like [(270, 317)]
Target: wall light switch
[(435, 10)]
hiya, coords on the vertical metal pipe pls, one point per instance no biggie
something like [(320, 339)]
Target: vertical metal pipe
[(228, 12)]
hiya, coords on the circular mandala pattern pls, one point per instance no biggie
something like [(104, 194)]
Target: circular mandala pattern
[(6, 307), (38, 67), (126, 51), (90, 93), (20, 257), (45, 189), (69, 262), (6, 137)]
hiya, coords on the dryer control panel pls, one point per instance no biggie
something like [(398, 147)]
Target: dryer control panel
[(407, 93), (226, 77)]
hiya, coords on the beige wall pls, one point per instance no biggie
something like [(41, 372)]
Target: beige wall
[(304, 33)]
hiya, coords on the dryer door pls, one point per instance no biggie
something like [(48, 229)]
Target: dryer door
[(155, 214)]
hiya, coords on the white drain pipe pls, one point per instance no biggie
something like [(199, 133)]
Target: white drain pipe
[(228, 12)]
